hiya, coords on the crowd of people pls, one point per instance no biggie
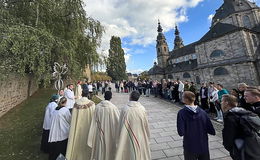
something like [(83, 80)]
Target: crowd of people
[(208, 95), (238, 108), (78, 129)]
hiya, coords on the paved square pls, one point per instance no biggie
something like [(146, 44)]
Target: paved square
[(166, 144)]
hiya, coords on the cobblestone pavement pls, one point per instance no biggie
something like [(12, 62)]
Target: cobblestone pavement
[(166, 144)]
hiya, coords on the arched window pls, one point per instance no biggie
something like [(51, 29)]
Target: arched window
[(194, 56), (165, 49), (246, 21), (254, 40), (216, 53), (186, 75), (220, 71), (159, 50)]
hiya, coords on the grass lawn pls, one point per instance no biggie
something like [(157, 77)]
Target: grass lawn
[(21, 128)]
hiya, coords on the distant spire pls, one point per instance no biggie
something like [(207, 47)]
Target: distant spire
[(178, 43), (159, 29), (177, 32)]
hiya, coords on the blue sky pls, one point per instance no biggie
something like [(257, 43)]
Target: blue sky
[(135, 21)]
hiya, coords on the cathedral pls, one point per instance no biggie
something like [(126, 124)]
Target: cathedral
[(229, 53)]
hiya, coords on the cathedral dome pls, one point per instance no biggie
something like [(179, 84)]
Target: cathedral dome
[(230, 7), (156, 70)]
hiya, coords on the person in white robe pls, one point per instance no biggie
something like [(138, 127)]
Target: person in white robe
[(90, 89), (59, 131), (134, 131), (181, 90), (78, 92), (45, 146), (61, 94), (103, 131), (69, 94), (82, 113)]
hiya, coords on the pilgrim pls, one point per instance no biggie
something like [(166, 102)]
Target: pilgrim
[(133, 131), (81, 119), (69, 94), (47, 122), (59, 131), (78, 92), (103, 131)]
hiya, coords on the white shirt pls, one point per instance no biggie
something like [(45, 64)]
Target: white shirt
[(60, 125), (203, 93), (181, 87), (214, 96), (210, 91), (69, 94), (48, 115), (90, 88)]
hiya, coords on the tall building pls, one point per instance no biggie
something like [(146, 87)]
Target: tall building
[(162, 48), (228, 53)]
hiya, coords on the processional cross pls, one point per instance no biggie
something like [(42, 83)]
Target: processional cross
[(59, 70)]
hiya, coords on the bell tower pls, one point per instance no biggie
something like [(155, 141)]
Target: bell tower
[(161, 47), (178, 43)]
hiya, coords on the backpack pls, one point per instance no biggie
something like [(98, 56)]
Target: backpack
[(250, 125)]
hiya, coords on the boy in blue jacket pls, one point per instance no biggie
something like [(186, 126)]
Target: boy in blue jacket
[(194, 125)]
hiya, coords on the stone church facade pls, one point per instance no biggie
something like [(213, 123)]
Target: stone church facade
[(229, 53)]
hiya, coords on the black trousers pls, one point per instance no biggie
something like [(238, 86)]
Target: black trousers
[(212, 107), (176, 96), (57, 148), (45, 145), (194, 156), (204, 103)]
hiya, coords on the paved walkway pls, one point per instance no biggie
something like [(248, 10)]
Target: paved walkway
[(165, 142)]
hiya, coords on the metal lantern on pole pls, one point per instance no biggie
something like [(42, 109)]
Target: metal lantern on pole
[(59, 70)]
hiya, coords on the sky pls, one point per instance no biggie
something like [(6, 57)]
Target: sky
[(136, 21)]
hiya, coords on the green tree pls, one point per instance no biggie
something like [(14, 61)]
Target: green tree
[(144, 76), (36, 33), (116, 67)]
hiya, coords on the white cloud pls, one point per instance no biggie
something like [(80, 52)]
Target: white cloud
[(127, 58), (137, 19), (210, 17), (127, 55), (256, 1)]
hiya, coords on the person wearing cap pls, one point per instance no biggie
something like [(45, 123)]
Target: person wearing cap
[(47, 122)]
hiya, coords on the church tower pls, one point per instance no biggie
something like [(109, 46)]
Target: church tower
[(178, 43), (162, 48)]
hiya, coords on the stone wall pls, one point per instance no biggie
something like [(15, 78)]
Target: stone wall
[(237, 18), (237, 73), (156, 77), (14, 91), (231, 44)]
